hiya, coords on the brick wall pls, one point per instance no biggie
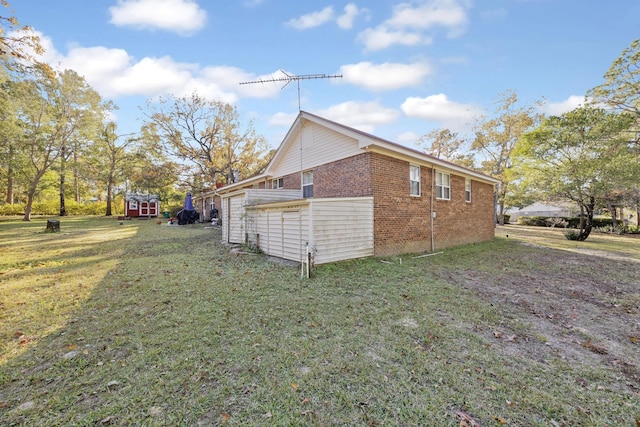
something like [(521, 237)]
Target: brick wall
[(402, 223), (350, 177)]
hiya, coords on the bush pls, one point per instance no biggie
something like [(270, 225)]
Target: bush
[(572, 234), (52, 207), (15, 209), (537, 221)]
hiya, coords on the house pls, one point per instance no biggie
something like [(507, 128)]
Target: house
[(205, 202), (339, 193), (542, 210), (141, 205)]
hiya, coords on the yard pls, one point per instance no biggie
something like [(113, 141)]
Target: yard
[(138, 323)]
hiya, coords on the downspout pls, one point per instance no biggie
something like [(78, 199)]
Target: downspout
[(432, 211)]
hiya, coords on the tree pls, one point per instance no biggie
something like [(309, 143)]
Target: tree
[(15, 40), (579, 156), (106, 160), (496, 138), (621, 88), (447, 145), (208, 135), (621, 91), (77, 113), (48, 112)]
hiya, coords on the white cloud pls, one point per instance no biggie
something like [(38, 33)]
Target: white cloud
[(450, 14), (409, 22), (386, 76), (364, 116), (381, 38), (115, 73), (282, 119), (351, 11), (408, 137), (314, 19), (558, 108), (440, 109), (180, 16)]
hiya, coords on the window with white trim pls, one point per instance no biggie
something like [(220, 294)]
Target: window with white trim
[(307, 184), (467, 190), (443, 186), (277, 183), (414, 179)]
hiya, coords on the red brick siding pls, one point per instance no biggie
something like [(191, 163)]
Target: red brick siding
[(350, 177), (402, 223), (460, 222)]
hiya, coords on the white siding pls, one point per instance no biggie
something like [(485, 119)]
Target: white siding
[(235, 220), (342, 229), (336, 229), (292, 246), (224, 215), (320, 146), (260, 196)]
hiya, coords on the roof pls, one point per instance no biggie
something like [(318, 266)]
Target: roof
[(367, 142), (142, 197)]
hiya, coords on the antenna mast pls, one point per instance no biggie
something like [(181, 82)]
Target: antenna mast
[(288, 78)]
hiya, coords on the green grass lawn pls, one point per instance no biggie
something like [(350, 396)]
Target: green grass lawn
[(143, 324)]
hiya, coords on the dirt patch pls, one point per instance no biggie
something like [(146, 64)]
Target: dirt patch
[(577, 306)]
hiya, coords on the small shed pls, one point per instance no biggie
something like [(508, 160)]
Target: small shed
[(141, 205)]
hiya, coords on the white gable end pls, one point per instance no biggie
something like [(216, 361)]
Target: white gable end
[(312, 146)]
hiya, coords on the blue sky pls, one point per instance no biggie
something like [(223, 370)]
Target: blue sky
[(408, 66)]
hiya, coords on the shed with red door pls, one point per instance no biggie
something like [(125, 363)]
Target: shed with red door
[(141, 205)]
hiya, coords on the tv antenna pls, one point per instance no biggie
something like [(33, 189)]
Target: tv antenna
[(288, 78)]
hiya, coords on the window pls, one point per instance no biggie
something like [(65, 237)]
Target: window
[(467, 190), (414, 179), (133, 204), (443, 188), (277, 183), (307, 184)]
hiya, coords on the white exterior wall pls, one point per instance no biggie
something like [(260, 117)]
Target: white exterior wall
[(336, 229), (233, 217), (320, 146), (342, 229), (261, 196)]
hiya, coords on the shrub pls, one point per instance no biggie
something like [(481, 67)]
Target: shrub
[(537, 221), (15, 209), (572, 234)]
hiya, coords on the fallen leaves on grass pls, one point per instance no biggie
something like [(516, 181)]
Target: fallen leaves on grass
[(466, 420), (595, 348)]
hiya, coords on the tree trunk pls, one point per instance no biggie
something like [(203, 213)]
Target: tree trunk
[(30, 196), (76, 180), (63, 171), (614, 217), (109, 197), (10, 180), (588, 224)]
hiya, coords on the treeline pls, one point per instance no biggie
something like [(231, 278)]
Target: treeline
[(58, 141)]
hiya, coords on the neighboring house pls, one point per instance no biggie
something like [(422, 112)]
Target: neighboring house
[(340, 193), (141, 205), (205, 203), (541, 209)]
